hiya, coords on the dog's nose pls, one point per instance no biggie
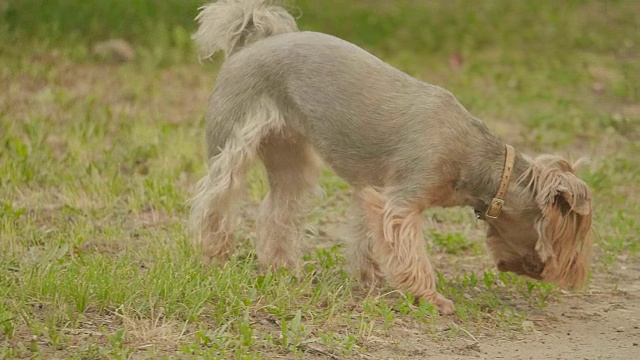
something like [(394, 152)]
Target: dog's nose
[(524, 267)]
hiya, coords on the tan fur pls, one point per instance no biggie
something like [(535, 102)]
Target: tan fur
[(213, 218), (361, 242), (293, 172), (398, 246), (229, 19), (290, 97), (565, 226)]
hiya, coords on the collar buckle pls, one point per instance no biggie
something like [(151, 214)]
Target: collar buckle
[(495, 208)]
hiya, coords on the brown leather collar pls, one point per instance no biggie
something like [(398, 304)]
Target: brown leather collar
[(495, 208)]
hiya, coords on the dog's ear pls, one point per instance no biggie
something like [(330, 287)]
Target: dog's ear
[(556, 185), (575, 197)]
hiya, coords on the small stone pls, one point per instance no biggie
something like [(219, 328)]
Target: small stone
[(597, 87), (528, 326), (114, 50), (620, 329)]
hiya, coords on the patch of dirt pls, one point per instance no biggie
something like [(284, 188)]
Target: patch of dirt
[(30, 95), (604, 324)]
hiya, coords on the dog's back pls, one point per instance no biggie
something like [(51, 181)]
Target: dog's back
[(341, 97)]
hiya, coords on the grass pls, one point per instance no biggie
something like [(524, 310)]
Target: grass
[(97, 160)]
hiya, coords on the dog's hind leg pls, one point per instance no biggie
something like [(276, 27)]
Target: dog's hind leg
[(360, 245), (213, 216), (293, 171), (399, 246)]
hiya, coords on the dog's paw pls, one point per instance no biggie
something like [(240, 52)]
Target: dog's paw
[(370, 276), (445, 306)]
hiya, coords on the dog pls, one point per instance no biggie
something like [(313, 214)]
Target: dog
[(300, 100)]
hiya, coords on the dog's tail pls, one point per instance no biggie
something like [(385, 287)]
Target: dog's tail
[(230, 25)]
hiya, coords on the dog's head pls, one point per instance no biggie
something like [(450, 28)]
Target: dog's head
[(544, 230)]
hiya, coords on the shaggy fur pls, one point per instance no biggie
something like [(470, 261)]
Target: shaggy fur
[(295, 98)]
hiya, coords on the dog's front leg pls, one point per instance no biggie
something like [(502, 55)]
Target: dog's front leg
[(398, 246)]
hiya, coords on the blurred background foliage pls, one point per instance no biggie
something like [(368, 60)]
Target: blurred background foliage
[(426, 26), (518, 60)]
